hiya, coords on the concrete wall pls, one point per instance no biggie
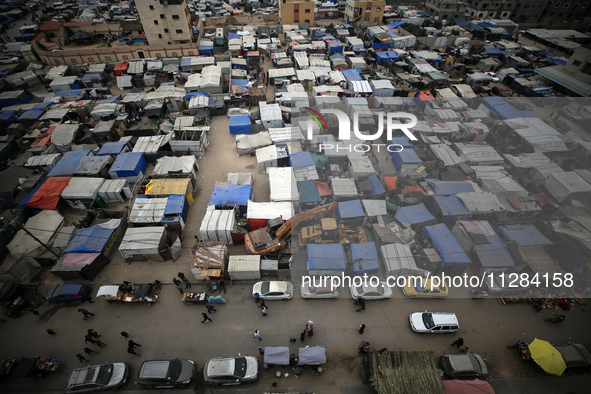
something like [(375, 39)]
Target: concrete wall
[(241, 20)]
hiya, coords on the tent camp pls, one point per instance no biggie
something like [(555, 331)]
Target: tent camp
[(448, 208), (69, 163), (47, 194), (350, 213), (364, 259), (84, 266), (282, 183), (147, 210), (44, 226), (82, 193), (149, 243), (170, 186), (525, 235), (240, 124), (95, 239), (303, 165), (231, 195), (93, 166), (326, 259), (453, 259), (276, 355), (170, 166), (130, 166), (312, 355), (218, 225), (309, 195), (399, 261)]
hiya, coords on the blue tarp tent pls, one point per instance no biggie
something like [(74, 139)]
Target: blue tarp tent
[(309, 195), (386, 56), (32, 114), (128, 165), (94, 239), (77, 93), (240, 124), (69, 163), (239, 82), (43, 105), (402, 141), (336, 46), (406, 156), (447, 188), (350, 212), (446, 245), (493, 255), (176, 210), (371, 187), (205, 48), (501, 108), (364, 259), (112, 148), (8, 117), (87, 78), (493, 51), (231, 194), (233, 35), (326, 257), (191, 94), (351, 74), (525, 235), (394, 25), (414, 214), (301, 160), (14, 98), (450, 208)]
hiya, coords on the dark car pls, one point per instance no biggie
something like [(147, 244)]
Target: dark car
[(463, 366), (68, 292), (575, 355), (97, 378), (166, 373)]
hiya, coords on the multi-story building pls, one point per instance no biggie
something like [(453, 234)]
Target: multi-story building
[(490, 9), (553, 13), (296, 11), (573, 78), (366, 11), (165, 22), (446, 9)]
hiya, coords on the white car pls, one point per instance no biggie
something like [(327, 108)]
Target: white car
[(273, 290), (9, 59), (98, 378), (434, 322), (231, 370), (308, 290), (368, 292), (493, 76)]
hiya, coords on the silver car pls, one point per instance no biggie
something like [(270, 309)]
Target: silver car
[(434, 322), (273, 290), (308, 290), (368, 292), (97, 378), (231, 370), (463, 366)]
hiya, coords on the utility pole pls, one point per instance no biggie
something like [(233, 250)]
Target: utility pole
[(38, 240)]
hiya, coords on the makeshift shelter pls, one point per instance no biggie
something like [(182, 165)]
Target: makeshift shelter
[(326, 259), (406, 161), (350, 213), (364, 259), (372, 187), (114, 148), (270, 115), (95, 239), (453, 258), (414, 215), (259, 213), (244, 267), (382, 87), (344, 189), (82, 193), (10, 180), (398, 260), (480, 203), (43, 226), (170, 166), (240, 124), (271, 156), (175, 212), (170, 186), (120, 68), (93, 166), (312, 355), (130, 166), (149, 243), (248, 143), (230, 195), (374, 208), (276, 355), (283, 184), (218, 225), (568, 186), (447, 188), (147, 210), (524, 235), (47, 194), (114, 190), (76, 266), (68, 163), (309, 195), (447, 208), (303, 165)]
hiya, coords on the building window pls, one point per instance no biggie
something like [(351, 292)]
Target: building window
[(159, 35), (175, 17), (152, 7), (378, 9), (307, 21), (576, 63), (307, 11), (566, 5), (166, 30), (179, 31), (576, 6), (557, 5), (366, 19), (155, 22), (296, 11), (162, 16)]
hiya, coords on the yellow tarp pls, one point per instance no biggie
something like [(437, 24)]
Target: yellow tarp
[(166, 187)]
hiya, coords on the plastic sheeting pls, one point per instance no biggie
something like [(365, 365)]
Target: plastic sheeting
[(406, 156), (364, 259), (129, 165), (450, 208), (524, 235), (414, 214), (68, 163), (43, 226), (231, 195), (447, 188), (92, 165), (446, 245), (371, 187), (314, 355), (283, 184), (247, 144), (276, 355), (240, 124), (94, 239), (399, 261), (326, 259), (350, 210), (309, 196), (48, 194)]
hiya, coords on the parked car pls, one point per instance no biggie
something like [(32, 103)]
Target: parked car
[(273, 290), (575, 355), (9, 59), (231, 370), (571, 114), (434, 322), (463, 366), (368, 292), (422, 287), (166, 373), (308, 290), (493, 76), (68, 292), (98, 377)]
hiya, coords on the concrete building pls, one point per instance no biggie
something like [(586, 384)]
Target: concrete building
[(165, 22), (366, 11), (552, 14), (296, 11), (575, 76), (446, 9), (490, 9)]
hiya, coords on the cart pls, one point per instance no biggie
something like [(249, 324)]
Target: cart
[(195, 298)]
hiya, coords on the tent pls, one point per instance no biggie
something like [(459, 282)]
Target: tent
[(303, 165), (309, 195), (350, 213), (44, 226), (399, 261), (120, 68), (283, 184), (447, 188), (93, 165), (75, 266), (32, 114), (414, 215), (69, 163), (169, 186), (114, 190), (95, 239), (10, 180), (249, 143), (175, 166), (564, 186), (240, 124), (501, 107), (493, 254), (312, 355), (371, 187), (405, 156), (8, 117), (259, 213), (326, 259), (218, 225), (147, 210), (175, 211), (130, 166), (449, 208), (231, 195), (114, 148), (276, 355), (344, 188), (364, 259), (48, 193), (82, 193), (148, 243), (452, 254), (524, 235)]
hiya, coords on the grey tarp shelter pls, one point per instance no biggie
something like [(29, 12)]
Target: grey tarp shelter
[(276, 355), (314, 355)]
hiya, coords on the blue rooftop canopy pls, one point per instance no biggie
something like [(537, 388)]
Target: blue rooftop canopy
[(446, 245), (231, 194), (524, 235), (112, 148), (364, 259), (447, 188), (90, 240), (240, 124), (69, 163), (350, 209), (451, 208), (326, 257), (301, 160), (414, 214)]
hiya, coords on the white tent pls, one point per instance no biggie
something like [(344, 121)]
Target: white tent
[(269, 210), (218, 225), (249, 143), (283, 185), (398, 261), (44, 226), (184, 165)]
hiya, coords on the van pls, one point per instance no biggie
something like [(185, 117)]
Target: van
[(434, 322)]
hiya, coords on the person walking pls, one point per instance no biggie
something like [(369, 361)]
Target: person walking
[(458, 342), (99, 343), (210, 308), (184, 279), (177, 283), (262, 304), (303, 336), (157, 284), (88, 350), (132, 343), (124, 334), (81, 358), (93, 333), (261, 351), (85, 313), (257, 334), (264, 310), (131, 350), (51, 332), (361, 305), (361, 328), (257, 297), (205, 318), (88, 338)]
